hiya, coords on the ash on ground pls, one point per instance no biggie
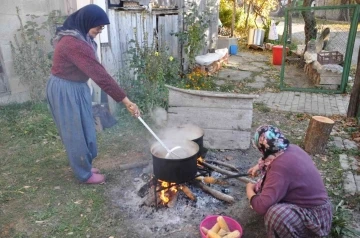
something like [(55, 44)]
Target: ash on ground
[(184, 218)]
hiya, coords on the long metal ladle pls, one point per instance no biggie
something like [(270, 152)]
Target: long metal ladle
[(160, 141)]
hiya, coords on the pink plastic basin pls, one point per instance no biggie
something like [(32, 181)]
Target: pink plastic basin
[(210, 221)]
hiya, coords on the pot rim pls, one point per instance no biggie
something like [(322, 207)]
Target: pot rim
[(184, 131), (159, 152)]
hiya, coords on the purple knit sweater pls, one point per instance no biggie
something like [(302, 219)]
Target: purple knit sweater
[(75, 60), (291, 178)]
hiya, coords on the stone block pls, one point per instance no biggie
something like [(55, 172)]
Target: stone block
[(349, 144), (353, 163), (349, 183), (226, 139), (225, 42), (14, 98), (207, 99), (212, 118), (357, 182), (344, 163), (226, 118)]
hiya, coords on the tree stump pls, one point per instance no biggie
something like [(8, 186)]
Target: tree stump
[(317, 134)]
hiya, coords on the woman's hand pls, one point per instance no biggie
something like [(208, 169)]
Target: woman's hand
[(131, 107), (253, 171), (250, 190)]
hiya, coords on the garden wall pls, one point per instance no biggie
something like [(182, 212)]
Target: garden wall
[(226, 118)]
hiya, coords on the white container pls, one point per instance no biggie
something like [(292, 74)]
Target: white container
[(256, 37)]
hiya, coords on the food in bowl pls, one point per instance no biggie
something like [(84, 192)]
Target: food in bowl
[(220, 227)]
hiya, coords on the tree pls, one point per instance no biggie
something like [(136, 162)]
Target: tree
[(310, 22), (355, 92), (344, 13), (353, 108)]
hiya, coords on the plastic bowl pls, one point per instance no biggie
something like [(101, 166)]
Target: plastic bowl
[(210, 221)]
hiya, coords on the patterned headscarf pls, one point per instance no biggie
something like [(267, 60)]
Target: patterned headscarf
[(269, 141)]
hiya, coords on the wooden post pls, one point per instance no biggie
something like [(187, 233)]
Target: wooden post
[(317, 134)]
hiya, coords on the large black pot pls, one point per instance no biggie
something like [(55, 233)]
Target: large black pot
[(174, 169)]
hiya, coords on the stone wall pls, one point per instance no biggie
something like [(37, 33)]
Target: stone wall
[(226, 118)]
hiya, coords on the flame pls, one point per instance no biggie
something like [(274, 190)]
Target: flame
[(168, 189), (199, 161)]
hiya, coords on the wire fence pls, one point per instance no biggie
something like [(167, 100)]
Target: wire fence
[(319, 48)]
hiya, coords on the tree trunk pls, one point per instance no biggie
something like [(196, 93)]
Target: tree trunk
[(310, 22), (317, 134), (344, 13), (233, 19), (290, 22), (355, 92)]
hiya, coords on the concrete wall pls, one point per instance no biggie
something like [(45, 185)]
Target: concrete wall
[(9, 24), (226, 118)]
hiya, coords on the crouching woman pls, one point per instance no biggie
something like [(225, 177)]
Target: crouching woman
[(290, 191)]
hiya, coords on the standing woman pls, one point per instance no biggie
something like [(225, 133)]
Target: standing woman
[(290, 191), (69, 98)]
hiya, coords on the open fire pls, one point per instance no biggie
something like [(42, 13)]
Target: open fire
[(168, 190), (166, 193)]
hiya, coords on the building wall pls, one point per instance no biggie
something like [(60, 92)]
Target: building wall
[(9, 24)]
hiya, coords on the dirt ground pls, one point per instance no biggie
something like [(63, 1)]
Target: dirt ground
[(133, 219)]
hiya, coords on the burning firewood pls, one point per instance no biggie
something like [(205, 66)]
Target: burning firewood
[(215, 193), (173, 200), (211, 180), (188, 192), (149, 199), (144, 190)]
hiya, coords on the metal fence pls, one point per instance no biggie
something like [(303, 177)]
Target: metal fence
[(324, 64)]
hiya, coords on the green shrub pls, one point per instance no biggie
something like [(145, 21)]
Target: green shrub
[(149, 68), (226, 11), (31, 52)]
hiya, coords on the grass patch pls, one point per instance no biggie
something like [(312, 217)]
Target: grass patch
[(39, 196)]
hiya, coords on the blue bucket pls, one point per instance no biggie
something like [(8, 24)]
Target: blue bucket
[(233, 49)]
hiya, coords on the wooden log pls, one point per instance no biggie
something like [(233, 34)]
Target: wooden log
[(211, 180), (145, 189), (149, 199), (173, 199), (188, 192), (317, 134), (226, 172), (216, 194), (223, 164)]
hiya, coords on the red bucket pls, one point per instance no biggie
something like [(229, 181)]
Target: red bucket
[(210, 221), (277, 54)]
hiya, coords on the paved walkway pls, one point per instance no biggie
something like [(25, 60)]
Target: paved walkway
[(254, 69), (312, 103)]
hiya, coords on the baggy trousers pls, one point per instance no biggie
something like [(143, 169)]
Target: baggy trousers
[(71, 108)]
